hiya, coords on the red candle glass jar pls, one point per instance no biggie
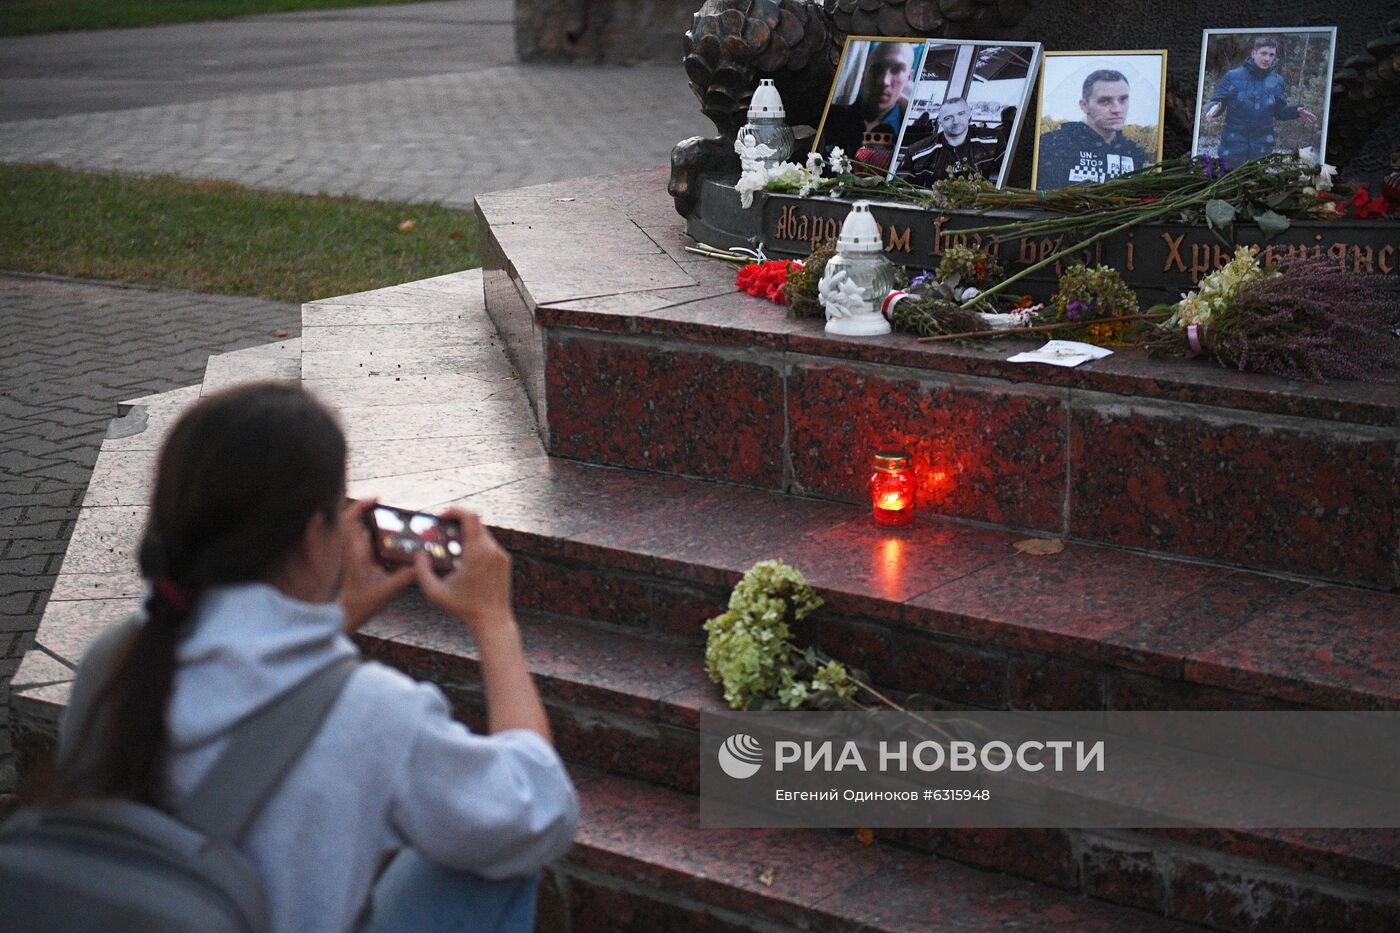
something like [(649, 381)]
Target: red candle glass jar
[(892, 487)]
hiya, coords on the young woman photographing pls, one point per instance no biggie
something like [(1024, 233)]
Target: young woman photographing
[(257, 574)]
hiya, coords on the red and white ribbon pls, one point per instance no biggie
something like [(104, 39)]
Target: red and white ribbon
[(892, 299)]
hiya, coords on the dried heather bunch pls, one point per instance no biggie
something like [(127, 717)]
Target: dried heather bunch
[(934, 317), (1316, 321)]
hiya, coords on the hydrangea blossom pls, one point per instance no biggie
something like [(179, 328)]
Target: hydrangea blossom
[(749, 647)]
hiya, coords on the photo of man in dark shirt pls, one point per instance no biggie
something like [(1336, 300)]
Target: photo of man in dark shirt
[(880, 106), (1252, 96), (1095, 148), (957, 143)]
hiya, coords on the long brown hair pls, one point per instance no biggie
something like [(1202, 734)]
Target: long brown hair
[(239, 477)]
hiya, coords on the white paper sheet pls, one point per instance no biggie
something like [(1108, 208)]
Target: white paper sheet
[(1062, 353)]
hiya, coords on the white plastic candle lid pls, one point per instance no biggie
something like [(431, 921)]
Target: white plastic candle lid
[(766, 101), (859, 232)]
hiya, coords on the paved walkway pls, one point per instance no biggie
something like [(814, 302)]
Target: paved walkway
[(416, 102), (72, 351), (421, 102)]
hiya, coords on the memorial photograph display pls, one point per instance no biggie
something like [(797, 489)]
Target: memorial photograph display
[(870, 98), (965, 110), (1263, 91), (1099, 115)]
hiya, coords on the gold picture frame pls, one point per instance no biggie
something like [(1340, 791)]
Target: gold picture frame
[(1095, 138)]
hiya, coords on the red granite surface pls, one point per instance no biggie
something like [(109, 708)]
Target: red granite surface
[(951, 602), (621, 566), (991, 453), (650, 837), (651, 360), (1300, 496), (628, 704)]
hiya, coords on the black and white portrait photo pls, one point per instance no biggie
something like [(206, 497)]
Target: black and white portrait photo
[(965, 110)]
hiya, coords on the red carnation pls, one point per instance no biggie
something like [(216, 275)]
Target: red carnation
[(1364, 206), (765, 279)]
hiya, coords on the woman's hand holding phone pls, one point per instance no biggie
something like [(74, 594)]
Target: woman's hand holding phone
[(365, 585), (477, 591)]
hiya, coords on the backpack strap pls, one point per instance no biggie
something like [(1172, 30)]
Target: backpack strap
[(261, 751)]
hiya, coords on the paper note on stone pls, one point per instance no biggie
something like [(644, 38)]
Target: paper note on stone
[(1039, 547), (1062, 353)]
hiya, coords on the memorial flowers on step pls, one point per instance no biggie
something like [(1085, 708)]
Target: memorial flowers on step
[(1267, 192), (1095, 297), (801, 289), (973, 265), (1362, 205), (750, 650), (767, 279), (1217, 290), (1308, 319)]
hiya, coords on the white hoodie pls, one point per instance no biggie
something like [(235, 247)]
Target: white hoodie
[(388, 769)]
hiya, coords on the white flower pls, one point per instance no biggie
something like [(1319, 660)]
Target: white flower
[(1325, 173), (815, 163), (787, 173), (1217, 290), (755, 178), (840, 296), (838, 161), (1307, 156)]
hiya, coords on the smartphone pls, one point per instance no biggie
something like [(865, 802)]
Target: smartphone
[(398, 534)]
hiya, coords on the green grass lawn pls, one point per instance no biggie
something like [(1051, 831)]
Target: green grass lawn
[(221, 237), (25, 17)]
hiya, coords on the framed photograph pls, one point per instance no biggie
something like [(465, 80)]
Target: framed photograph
[(1099, 115), (966, 109), (1263, 91), (869, 98)]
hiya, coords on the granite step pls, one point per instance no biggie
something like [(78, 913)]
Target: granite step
[(619, 566), (642, 863), (627, 703), (942, 604), (652, 360)]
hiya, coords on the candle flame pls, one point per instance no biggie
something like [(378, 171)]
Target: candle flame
[(892, 501)]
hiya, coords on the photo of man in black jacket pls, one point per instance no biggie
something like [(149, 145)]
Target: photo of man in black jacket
[(1094, 149)]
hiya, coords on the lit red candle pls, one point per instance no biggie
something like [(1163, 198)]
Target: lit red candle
[(892, 487)]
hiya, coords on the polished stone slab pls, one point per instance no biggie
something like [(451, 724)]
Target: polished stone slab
[(943, 607), (278, 362), (1180, 457)]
